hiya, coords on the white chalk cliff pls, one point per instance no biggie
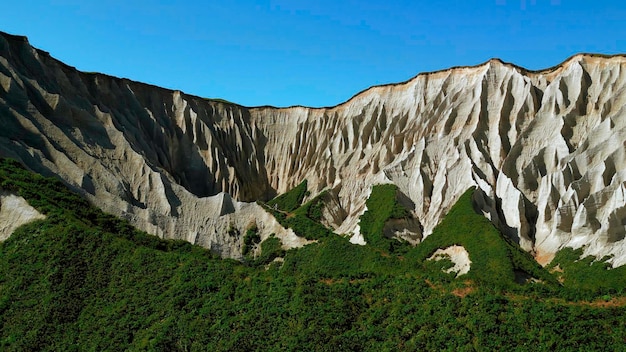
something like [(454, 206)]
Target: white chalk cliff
[(545, 150)]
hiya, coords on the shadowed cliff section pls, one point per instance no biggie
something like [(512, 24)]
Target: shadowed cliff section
[(543, 148), (188, 137), (160, 158)]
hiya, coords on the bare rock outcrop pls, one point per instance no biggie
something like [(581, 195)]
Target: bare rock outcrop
[(545, 150), (459, 257), (15, 212)]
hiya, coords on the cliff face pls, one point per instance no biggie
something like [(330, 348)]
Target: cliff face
[(545, 149)]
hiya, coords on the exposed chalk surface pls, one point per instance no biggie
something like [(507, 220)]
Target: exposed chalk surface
[(458, 256), (15, 212), (545, 150)]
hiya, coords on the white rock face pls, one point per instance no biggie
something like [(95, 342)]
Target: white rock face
[(545, 149), (15, 212), (457, 255)]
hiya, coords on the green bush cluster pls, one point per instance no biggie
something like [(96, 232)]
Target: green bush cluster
[(250, 239), (495, 259), (271, 249), (382, 205), (313, 208), (290, 200), (300, 222), (587, 277)]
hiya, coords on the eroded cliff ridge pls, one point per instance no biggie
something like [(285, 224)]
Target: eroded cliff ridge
[(545, 149)]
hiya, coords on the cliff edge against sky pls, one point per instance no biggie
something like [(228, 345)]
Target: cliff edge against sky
[(544, 149)]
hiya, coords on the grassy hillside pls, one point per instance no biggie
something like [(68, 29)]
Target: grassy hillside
[(496, 261), (84, 281), (382, 205), (290, 200), (587, 277), (303, 219)]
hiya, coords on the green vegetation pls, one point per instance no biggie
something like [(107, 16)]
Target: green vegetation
[(586, 278), (300, 224), (313, 208), (271, 249), (303, 220), (382, 205), (250, 240), (291, 200), (307, 228), (496, 261), (73, 282)]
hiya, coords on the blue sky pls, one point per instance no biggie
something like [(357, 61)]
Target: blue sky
[(313, 53)]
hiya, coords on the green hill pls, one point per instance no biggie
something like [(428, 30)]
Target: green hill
[(496, 261), (82, 280)]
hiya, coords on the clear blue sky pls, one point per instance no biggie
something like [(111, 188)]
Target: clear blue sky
[(313, 53)]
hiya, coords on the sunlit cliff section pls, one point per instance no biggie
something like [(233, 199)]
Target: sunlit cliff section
[(545, 149)]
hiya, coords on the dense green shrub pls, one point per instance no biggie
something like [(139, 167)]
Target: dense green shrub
[(495, 259), (382, 205), (290, 200), (313, 208), (250, 239), (300, 223), (271, 249), (587, 277)]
